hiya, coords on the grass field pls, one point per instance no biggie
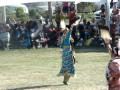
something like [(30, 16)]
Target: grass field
[(38, 69)]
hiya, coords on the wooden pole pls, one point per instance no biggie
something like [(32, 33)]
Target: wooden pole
[(50, 11)]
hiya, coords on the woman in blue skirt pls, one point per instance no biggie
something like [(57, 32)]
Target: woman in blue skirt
[(67, 69)]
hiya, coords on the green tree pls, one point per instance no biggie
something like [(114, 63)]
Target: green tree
[(86, 9), (20, 12), (33, 13), (21, 15)]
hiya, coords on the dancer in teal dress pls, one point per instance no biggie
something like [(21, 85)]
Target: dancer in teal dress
[(68, 62), (67, 68)]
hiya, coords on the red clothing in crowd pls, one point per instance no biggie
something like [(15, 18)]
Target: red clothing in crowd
[(71, 17), (65, 4)]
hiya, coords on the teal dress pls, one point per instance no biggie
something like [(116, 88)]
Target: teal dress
[(67, 56)]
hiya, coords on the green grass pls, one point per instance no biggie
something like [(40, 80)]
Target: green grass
[(38, 69)]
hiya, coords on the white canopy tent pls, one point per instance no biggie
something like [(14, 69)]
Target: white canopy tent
[(14, 2), (11, 2)]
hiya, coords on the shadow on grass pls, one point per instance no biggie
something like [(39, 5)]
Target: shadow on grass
[(35, 87)]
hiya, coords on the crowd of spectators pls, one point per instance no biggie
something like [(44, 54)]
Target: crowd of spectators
[(32, 34), (36, 34), (87, 33)]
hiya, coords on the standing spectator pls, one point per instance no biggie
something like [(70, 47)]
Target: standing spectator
[(57, 18), (65, 7), (111, 3), (103, 14), (72, 16), (115, 23)]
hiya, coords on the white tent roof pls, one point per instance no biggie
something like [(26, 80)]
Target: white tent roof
[(12, 2), (46, 7)]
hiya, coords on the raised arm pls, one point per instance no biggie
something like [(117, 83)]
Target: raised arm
[(108, 45)]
